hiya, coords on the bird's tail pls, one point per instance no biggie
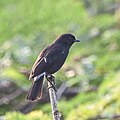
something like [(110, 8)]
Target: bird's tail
[(35, 92)]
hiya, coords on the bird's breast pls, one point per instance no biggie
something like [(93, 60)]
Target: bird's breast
[(57, 61)]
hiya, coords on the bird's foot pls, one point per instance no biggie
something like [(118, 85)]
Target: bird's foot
[(51, 79)]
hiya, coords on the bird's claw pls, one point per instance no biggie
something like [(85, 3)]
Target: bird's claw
[(51, 79)]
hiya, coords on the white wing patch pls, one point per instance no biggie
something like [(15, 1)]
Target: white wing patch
[(45, 59), (37, 77)]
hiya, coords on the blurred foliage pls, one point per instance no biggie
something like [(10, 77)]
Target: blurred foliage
[(35, 115), (27, 26), (106, 101)]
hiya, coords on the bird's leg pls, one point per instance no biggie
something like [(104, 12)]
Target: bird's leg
[(51, 79)]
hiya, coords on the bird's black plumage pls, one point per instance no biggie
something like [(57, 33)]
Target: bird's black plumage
[(49, 61)]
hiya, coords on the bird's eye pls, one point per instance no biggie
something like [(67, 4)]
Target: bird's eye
[(70, 38)]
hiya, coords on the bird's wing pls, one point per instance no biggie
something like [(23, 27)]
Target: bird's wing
[(39, 61), (41, 56)]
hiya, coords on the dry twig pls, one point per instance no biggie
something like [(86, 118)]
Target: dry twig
[(53, 99)]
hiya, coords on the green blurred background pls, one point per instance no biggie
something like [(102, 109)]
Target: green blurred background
[(90, 78)]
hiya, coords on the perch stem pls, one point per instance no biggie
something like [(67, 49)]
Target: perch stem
[(53, 100)]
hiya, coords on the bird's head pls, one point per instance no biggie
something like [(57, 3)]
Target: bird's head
[(67, 39)]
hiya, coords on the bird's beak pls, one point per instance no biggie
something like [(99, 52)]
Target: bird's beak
[(76, 40)]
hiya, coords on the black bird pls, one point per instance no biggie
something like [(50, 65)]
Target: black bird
[(49, 61)]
